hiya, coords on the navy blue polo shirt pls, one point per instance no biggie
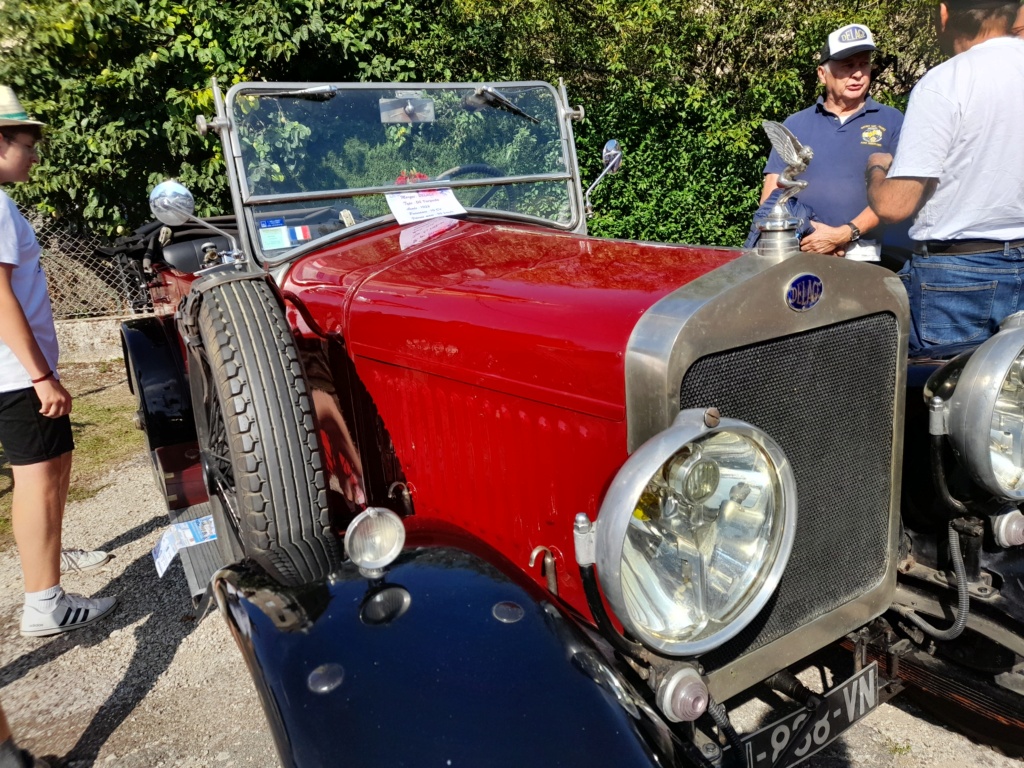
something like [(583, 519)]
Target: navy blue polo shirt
[(836, 190)]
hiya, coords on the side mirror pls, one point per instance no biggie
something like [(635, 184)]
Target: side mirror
[(171, 203), (611, 156)]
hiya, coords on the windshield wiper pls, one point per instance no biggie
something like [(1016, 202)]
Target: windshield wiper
[(488, 96), (313, 93)]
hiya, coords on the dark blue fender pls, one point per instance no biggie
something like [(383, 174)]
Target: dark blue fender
[(156, 375), (476, 667)]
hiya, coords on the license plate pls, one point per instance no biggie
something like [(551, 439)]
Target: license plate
[(847, 704)]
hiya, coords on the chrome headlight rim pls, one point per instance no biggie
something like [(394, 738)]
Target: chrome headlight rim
[(972, 404), (617, 510)]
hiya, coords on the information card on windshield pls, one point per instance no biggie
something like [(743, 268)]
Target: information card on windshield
[(423, 204)]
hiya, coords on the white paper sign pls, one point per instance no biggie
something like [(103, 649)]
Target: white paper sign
[(423, 204), (179, 536)]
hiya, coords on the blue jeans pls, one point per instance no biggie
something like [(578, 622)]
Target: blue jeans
[(957, 302)]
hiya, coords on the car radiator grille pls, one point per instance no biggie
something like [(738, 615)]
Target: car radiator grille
[(827, 397)]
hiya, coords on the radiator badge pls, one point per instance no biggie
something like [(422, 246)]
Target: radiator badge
[(804, 292)]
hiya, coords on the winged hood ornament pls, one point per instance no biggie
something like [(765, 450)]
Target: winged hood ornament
[(777, 232), (796, 156)]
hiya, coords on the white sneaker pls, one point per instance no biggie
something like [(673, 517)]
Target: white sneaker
[(82, 560), (72, 612)]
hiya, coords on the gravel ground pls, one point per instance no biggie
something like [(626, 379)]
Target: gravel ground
[(146, 686), (149, 686)]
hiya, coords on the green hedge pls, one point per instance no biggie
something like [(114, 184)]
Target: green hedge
[(683, 87)]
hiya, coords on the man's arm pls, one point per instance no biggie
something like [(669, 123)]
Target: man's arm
[(894, 200), (771, 183), (16, 333), (832, 240)]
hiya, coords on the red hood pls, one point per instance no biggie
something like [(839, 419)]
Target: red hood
[(513, 308)]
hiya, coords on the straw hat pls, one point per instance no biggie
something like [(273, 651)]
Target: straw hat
[(11, 111)]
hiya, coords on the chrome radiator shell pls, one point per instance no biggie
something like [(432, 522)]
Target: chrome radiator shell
[(828, 384)]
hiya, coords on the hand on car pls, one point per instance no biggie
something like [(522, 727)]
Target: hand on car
[(826, 239), (55, 400)]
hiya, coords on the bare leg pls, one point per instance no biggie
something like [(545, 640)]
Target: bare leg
[(65, 482), (37, 512), (5, 729)]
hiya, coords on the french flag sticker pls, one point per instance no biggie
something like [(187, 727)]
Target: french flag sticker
[(299, 234)]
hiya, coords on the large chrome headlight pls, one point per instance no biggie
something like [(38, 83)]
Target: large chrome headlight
[(694, 533), (984, 413)]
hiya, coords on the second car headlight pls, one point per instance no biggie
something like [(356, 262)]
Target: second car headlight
[(985, 413), (694, 533)]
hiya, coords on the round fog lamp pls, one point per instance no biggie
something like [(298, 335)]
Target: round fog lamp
[(694, 534), (985, 420), (374, 539)]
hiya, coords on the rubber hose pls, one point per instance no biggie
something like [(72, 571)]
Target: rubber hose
[(604, 623), (721, 718), (963, 597)]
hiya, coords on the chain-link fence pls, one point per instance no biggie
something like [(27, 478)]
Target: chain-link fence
[(83, 282)]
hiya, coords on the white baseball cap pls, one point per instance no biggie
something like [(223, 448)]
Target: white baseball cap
[(846, 41), (11, 111)]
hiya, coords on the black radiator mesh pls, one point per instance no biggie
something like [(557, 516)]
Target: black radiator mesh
[(827, 397)]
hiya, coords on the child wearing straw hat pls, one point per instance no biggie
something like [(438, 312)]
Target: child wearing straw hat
[(35, 428)]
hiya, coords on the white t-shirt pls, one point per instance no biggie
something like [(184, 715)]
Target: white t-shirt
[(18, 246), (965, 127)]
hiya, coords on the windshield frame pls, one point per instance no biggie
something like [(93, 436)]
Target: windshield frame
[(245, 203)]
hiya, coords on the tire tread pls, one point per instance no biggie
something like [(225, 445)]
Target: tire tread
[(270, 423)]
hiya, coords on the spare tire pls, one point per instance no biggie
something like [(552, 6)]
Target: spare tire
[(257, 435)]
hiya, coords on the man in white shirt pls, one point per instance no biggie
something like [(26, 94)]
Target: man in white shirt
[(959, 170)]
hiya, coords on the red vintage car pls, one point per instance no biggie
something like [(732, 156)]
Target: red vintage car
[(491, 491)]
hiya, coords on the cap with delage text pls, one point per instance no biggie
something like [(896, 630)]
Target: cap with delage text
[(846, 41)]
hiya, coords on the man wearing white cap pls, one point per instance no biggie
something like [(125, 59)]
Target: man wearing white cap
[(35, 429), (960, 174), (843, 128)]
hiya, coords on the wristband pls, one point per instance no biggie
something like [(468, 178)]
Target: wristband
[(882, 168), (44, 377)]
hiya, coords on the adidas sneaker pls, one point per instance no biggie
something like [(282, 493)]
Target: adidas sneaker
[(81, 559), (71, 612)]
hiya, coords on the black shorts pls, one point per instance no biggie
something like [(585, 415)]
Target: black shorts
[(26, 435)]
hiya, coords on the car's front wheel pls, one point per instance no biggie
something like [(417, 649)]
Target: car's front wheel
[(257, 435)]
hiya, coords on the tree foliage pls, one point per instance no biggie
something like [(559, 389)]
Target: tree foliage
[(683, 86)]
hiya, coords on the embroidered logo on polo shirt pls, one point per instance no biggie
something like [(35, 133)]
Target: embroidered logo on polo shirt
[(871, 135)]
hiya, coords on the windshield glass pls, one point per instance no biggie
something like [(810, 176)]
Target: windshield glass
[(319, 159)]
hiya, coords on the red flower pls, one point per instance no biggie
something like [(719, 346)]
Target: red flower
[(411, 177)]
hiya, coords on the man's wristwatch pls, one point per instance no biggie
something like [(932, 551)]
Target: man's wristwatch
[(854, 232)]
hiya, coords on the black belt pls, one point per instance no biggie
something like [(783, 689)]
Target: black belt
[(964, 247)]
